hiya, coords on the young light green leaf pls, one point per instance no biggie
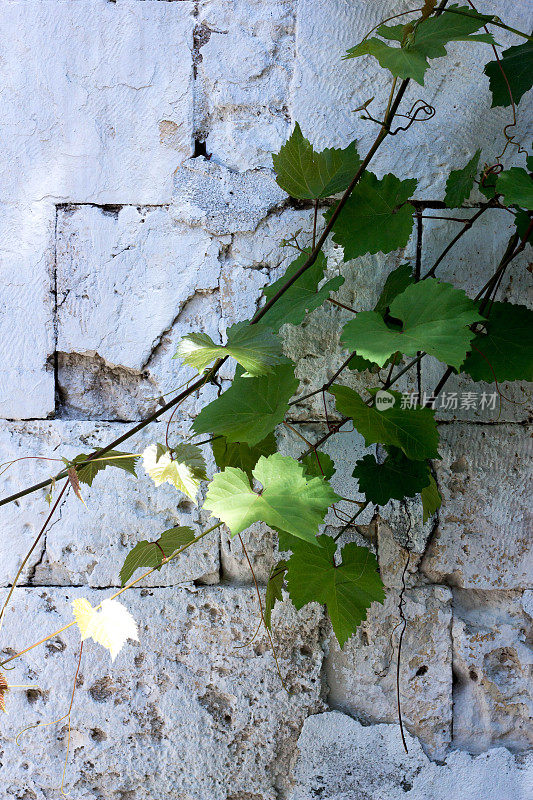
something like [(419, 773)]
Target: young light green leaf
[(431, 499), (113, 458), (461, 182), (347, 589), (413, 430), (504, 351), (274, 590), (251, 408), (151, 554), (241, 455), (516, 186), (319, 464), (289, 500), (376, 218), (183, 467), (254, 346), (110, 625), (308, 175), (397, 477), (516, 63), (435, 318), (303, 296)]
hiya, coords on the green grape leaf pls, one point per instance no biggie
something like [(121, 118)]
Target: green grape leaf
[(255, 347), (319, 464), (517, 64), (113, 458), (241, 455), (505, 351), (461, 182), (516, 186), (413, 430), (307, 175), (396, 283), (303, 296), (274, 590), (376, 218), (396, 478), (251, 408), (183, 467), (435, 317), (402, 62), (151, 554), (522, 221), (431, 499), (347, 589), (423, 40), (289, 500)]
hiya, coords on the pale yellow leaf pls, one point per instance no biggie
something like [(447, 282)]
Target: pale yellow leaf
[(109, 626), (184, 468)]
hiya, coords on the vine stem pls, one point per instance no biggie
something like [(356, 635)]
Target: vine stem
[(113, 596)]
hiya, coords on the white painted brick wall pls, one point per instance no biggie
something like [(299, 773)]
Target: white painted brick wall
[(114, 243)]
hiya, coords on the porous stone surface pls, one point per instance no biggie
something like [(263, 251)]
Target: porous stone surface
[(483, 537), (341, 759), (137, 205), (187, 712)]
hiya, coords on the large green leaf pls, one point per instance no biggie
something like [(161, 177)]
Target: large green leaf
[(516, 186), (289, 500), (240, 454), (251, 408), (347, 589), (461, 182), (303, 296), (504, 351), (151, 554), (113, 458), (397, 477), (254, 346), (422, 40), (431, 499), (402, 62), (376, 218), (435, 318), (413, 430), (274, 589), (517, 64), (183, 467), (308, 175)]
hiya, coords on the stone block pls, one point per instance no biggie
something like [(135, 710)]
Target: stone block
[(87, 544), (362, 676), (26, 310), (340, 758), (492, 663), (183, 713), (98, 105), (483, 539)]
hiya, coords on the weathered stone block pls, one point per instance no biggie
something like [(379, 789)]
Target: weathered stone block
[(362, 676), (340, 759), (88, 544), (483, 540), (244, 67), (184, 713), (492, 663), (26, 309), (98, 106)]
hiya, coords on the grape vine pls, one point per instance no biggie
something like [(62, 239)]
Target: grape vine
[(416, 315)]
